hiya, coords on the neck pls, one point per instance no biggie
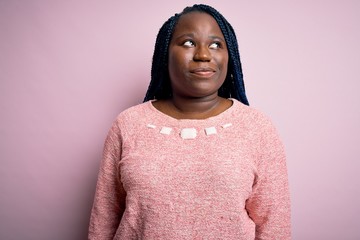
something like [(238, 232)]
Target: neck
[(195, 108), (191, 106)]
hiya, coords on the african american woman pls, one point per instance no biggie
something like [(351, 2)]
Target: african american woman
[(193, 161)]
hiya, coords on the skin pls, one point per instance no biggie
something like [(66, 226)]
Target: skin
[(198, 59)]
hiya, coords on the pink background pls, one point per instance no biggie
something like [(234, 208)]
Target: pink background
[(67, 68)]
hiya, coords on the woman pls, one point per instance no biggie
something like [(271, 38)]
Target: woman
[(193, 161)]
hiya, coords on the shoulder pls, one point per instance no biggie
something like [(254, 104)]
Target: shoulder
[(255, 124), (130, 117), (134, 113), (250, 116), (127, 121), (259, 128)]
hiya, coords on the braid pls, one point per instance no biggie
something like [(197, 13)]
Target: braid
[(233, 85), (160, 83)]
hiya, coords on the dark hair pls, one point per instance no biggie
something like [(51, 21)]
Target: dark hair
[(160, 87)]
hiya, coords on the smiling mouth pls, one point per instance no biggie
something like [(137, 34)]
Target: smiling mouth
[(203, 72)]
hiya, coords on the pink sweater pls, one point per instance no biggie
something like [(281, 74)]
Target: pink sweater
[(224, 177)]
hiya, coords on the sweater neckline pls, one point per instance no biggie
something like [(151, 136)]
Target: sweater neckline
[(187, 120)]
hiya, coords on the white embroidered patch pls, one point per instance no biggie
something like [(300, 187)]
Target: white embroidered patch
[(226, 125), (210, 131), (151, 126), (165, 130), (188, 133)]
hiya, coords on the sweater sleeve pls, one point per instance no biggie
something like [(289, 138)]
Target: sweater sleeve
[(109, 201), (269, 203)]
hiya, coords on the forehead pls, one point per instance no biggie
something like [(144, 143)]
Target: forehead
[(197, 21)]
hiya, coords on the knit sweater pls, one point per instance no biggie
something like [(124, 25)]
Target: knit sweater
[(224, 177)]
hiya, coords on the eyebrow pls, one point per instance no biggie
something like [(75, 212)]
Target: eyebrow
[(192, 36)]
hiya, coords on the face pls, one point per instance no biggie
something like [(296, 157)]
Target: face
[(198, 56)]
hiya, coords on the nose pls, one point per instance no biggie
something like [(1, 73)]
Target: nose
[(202, 54)]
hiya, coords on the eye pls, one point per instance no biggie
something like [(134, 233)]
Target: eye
[(215, 45), (188, 43)]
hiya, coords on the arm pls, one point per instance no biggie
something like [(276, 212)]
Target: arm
[(269, 203), (109, 201)]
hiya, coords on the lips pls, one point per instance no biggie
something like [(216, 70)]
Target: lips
[(203, 71)]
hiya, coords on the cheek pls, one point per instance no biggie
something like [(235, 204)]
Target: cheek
[(172, 65), (178, 62), (173, 59), (223, 63), (222, 59), (226, 59)]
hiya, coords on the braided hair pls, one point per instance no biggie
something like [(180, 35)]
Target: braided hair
[(160, 87)]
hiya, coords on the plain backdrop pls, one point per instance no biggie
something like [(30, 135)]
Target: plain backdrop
[(67, 68)]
